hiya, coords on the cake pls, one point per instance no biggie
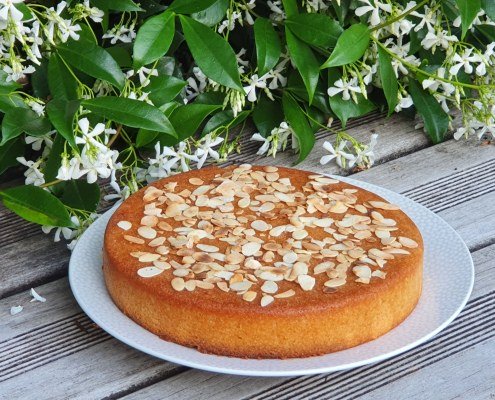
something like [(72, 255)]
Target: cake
[(262, 262)]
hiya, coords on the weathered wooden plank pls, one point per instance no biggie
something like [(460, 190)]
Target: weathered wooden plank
[(45, 337)]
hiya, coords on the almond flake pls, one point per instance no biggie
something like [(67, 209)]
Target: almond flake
[(306, 282), (178, 284), (146, 232), (266, 300), (207, 248), (133, 239), (286, 294), (269, 287), (148, 257), (196, 181), (260, 225), (407, 242), (149, 272), (250, 248), (290, 257), (125, 225), (249, 295), (335, 282), (382, 205), (362, 271)]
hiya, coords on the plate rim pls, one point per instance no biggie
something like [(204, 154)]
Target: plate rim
[(281, 373)]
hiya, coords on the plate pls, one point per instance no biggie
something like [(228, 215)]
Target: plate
[(447, 283)]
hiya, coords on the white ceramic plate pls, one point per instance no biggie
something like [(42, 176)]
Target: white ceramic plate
[(448, 281)]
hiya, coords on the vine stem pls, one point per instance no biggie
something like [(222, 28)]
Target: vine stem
[(401, 16), (420, 71)]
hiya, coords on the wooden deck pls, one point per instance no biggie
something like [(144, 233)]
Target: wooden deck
[(53, 351)]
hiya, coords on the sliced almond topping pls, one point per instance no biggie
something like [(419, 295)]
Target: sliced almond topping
[(407, 242), (306, 282), (148, 257), (260, 225), (249, 295), (269, 287), (382, 205), (133, 239), (149, 272), (362, 271), (286, 294), (125, 225), (146, 232), (332, 283), (290, 257), (250, 248), (178, 284), (196, 181), (266, 300)]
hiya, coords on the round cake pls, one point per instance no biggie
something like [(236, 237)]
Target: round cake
[(262, 262)]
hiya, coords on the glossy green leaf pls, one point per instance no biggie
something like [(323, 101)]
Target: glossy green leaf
[(61, 115), (315, 29), (23, 120), (489, 7), (145, 137), (130, 112), (436, 120), (153, 39), (295, 85), (10, 101), (267, 115), (268, 47), (341, 9), (164, 88), (350, 46), (212, 53), (187, 118), (190, 6), (299, 123), (81, 195), (9, 153), (487, 31), (121, 54), (305, 62), (345, 109), (61, 82), (39, 81), (213, 14), (92, 60), (290, 7), (468, 10), (224, 120), (7, 86), (36, 205), (389, 80), (117, 5)]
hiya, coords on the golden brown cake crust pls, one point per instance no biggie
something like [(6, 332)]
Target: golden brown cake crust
[(309, 323)]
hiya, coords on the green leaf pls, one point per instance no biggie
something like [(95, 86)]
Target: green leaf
[(388, 79), (117, 5), (39, 81), (9, 153), (216, 98), (145, 137), (267, 115), (19, 120), (290, 7), (61, 82), (164, 88), (61, 115), (350, 46), (295, 85), (305, 62), (11, 101), (92, 60), (315, 29), (299, 123), (36, 205), (436, 120), (120, 53), (213, 14), (81, 195), (153, 39), (212, 53), (223, 121), (187, 118), (190, 6), (468, 10), (7, 87), (341, 9), (489, 7), (267, 45), (487, 31), (345, 109), (129, 112), (54, 159)]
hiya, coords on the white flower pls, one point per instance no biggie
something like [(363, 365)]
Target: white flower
[(37, 141), (276, 8), (345, 87), (66, 232), (266, 143), (375, 10), (428, 18), (143, 74), (242, 63), (206, 148), (120, 193), (168, 159), (88, 137), (102, 165), (33, 175), (338, 154), (367, 155), (404, 102), (438, 38), (16, 71), (196, 84), (433, 84), (123, 33), (248, 7), (69, 169), (16, 310), (94, 13), (464, 131), (38, 108), (36, 296), (7, 8), (254, 82), (277, 79), (464, 60), (229, 22)]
